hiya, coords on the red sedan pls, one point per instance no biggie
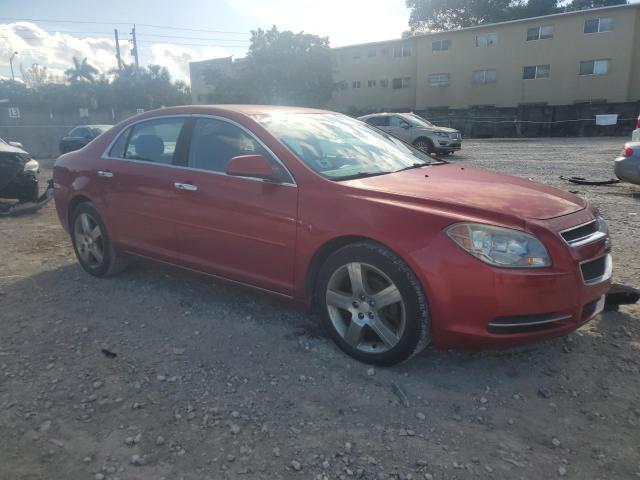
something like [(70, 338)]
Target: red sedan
[(395, 249)]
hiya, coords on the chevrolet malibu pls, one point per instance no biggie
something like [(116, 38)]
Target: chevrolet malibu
[(393, 249)]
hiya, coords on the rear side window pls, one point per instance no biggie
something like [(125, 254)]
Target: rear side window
[(378, 121), (118, 148), (215, 142), (154, 141)]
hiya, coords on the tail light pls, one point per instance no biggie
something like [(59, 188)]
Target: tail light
[(627, 152), (638, 122)]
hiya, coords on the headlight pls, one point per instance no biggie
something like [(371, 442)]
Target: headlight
[(501, 247), (32, 166), (441, 134)]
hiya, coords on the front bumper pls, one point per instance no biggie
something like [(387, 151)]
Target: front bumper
[(474, 305)]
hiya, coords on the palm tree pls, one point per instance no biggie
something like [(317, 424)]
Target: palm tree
[(81, 71)]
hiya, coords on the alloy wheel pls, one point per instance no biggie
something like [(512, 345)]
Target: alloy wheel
[(89, 240), (365, 307)]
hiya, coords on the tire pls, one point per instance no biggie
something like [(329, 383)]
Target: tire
[(384, 322), (424, 145), (92, 244)]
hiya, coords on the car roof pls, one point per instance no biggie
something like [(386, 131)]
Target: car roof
[(249, 109), (385, 114)]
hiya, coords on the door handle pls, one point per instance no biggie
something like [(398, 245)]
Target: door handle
[(105, 173), (185, 186)]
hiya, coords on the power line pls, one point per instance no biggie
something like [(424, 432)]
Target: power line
[(121, 23)]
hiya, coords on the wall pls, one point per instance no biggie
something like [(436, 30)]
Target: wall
[(508, 56)]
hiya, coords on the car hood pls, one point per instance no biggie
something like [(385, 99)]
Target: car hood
[(435, 128), (476, 188)]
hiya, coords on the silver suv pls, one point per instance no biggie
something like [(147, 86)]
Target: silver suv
[(415, 130)]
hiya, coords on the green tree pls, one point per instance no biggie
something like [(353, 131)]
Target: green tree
[(81, 71), (433, 15), (280, 68), (585, 4)]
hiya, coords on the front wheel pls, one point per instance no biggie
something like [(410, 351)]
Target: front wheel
[(372, 304), (424, 145)]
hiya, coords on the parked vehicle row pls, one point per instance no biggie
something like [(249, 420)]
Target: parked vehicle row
[(393, 248)]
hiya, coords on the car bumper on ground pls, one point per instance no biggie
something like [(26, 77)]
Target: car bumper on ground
[(475, 306)]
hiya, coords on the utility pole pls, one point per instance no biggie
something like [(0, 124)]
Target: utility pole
[(13, 78), (115, 31), (135, 47)]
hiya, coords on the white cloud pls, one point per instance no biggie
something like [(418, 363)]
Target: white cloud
[(55, 50), (343, 21), (176, 58)]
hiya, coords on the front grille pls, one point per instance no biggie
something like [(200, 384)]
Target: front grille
[(593, 270), (580, 233), (525, 323)]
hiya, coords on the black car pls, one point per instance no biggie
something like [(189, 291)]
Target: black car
[(17, 173), (80, 136)]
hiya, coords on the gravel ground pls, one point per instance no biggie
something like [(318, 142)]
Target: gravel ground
[(157, 374)]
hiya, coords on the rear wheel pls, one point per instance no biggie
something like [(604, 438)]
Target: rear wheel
[(424, 145), (372, 304), (92, 244)]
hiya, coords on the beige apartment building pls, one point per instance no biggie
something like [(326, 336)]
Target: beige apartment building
[(563, 59)]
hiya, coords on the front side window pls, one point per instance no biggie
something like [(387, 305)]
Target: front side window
[(536, 71), (341, 148), (484, 40), (595, 25), (154, 140), (484, 76), (215, 142), (439, 79), (540, 33), (397, 122), (594, 67)]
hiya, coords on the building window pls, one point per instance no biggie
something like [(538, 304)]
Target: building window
[(356, 55), (594, 67), (595, 25), (356, 84), (372, 52), (440, 45), (439, 79), (535, 71), (484, 40), (484, 76), (371, 83), (399, 83), (539, 33), (384, 83), (402, 51)]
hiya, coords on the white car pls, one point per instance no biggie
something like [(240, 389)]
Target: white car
[(635, 135)]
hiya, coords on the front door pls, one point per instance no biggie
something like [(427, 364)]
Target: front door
[(137, 183), (400, 128), (240, 228)]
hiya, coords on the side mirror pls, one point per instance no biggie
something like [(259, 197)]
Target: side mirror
[(16, 144), (253, 166), (405, 126)]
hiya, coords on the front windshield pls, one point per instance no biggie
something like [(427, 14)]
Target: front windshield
[(339, 147), (419, 120)]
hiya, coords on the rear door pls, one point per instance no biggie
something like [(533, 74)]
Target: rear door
[(137, 182), (240, 228)]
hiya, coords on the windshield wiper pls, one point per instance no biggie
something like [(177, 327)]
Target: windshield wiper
[(415, 165), (359, 175)]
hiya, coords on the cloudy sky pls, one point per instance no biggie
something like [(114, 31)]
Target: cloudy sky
[(172, 33)]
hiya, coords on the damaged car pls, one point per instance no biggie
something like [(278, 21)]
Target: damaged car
[(19, 180)]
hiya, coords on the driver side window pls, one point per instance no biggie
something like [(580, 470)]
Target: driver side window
[(215, 142)]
